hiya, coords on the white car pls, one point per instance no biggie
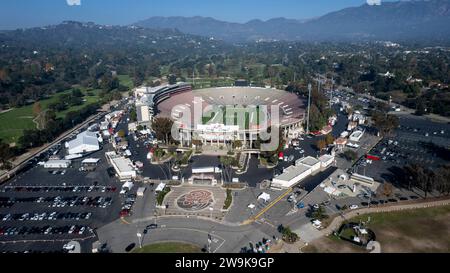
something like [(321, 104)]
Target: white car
[(69, 247), (81, 231), (354, 207), (72, 229)]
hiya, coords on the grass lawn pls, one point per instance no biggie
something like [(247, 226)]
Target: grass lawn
[(210, 82), (126, 80), (14, 122), (420, 230), (169, 247)]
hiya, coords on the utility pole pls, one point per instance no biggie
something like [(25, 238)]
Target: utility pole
[(309, 107)]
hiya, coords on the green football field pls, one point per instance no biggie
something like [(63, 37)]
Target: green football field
[(244, 117)]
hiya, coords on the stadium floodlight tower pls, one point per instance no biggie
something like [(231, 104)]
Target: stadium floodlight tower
[(309, 107)]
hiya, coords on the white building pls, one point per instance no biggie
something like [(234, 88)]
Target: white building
[(309, 161), (123, 166), (85, 142), (57, 164), (356, 136), (143, 114), (291, 176), (326, 161)]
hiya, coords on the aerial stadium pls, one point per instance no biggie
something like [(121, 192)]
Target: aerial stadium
[(226, 113)]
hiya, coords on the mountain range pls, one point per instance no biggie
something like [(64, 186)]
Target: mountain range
[(397, 21)]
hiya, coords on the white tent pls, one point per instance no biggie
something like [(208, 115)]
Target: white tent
[(84, 143), (160, 187), (129, 185), (264, 196)]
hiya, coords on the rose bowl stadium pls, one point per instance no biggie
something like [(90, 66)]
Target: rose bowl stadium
[(222, 114)]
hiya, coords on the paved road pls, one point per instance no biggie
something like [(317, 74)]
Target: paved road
[(225, 238)]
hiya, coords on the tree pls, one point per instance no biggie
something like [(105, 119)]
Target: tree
[(172, 79), (5, 154), (350, 155), (237, 144), (121, 133), (198, 143), (442, 180), (329, 139), (163, 127), (385, 123), (319, 213), (386, 189), (321, 144), (77, 93), (288, 235), (227, 162), (133, 114)]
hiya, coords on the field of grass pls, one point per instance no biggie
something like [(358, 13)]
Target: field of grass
[(15, 121), (126, 80), (420, 230), (244, 117), (169, 247), (210, 82)]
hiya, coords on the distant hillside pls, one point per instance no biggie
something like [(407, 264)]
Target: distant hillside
[(405, 20)]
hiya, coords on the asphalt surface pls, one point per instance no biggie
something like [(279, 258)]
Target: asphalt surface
[(225, 238)]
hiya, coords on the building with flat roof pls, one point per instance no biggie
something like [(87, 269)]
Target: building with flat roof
[(326, 161), (57, 164), (124, 168), (291, 176), (356, 136), (309, 161), (143, 114)]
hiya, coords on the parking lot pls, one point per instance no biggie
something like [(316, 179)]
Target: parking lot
[(396, 152), (41, 209)]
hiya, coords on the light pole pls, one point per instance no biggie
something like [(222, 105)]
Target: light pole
[(309, 107)]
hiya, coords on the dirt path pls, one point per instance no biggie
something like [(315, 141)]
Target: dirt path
[(338, 220)]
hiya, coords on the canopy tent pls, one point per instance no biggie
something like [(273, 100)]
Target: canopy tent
[(264, 196), (160, 187)]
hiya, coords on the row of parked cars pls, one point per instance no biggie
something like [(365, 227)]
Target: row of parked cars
[(73, 188), (127, 205), (46, 216), (59, 201), (99, 201), (46, 230)]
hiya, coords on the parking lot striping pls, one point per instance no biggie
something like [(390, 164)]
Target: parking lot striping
[(264, 210), (46, 241)]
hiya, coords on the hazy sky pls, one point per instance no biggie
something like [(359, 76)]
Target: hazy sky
[(27, 13)]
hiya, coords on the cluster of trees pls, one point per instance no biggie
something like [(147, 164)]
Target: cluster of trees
[(67, 100), (227, 163), (382, 121), (6, 152), (56, 126), (163, 129), (288, 235), (323, 143), (426, 178)]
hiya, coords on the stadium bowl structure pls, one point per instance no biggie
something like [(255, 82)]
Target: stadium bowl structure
[(230, 113)]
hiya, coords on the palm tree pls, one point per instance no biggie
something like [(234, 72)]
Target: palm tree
[(227, 163)]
